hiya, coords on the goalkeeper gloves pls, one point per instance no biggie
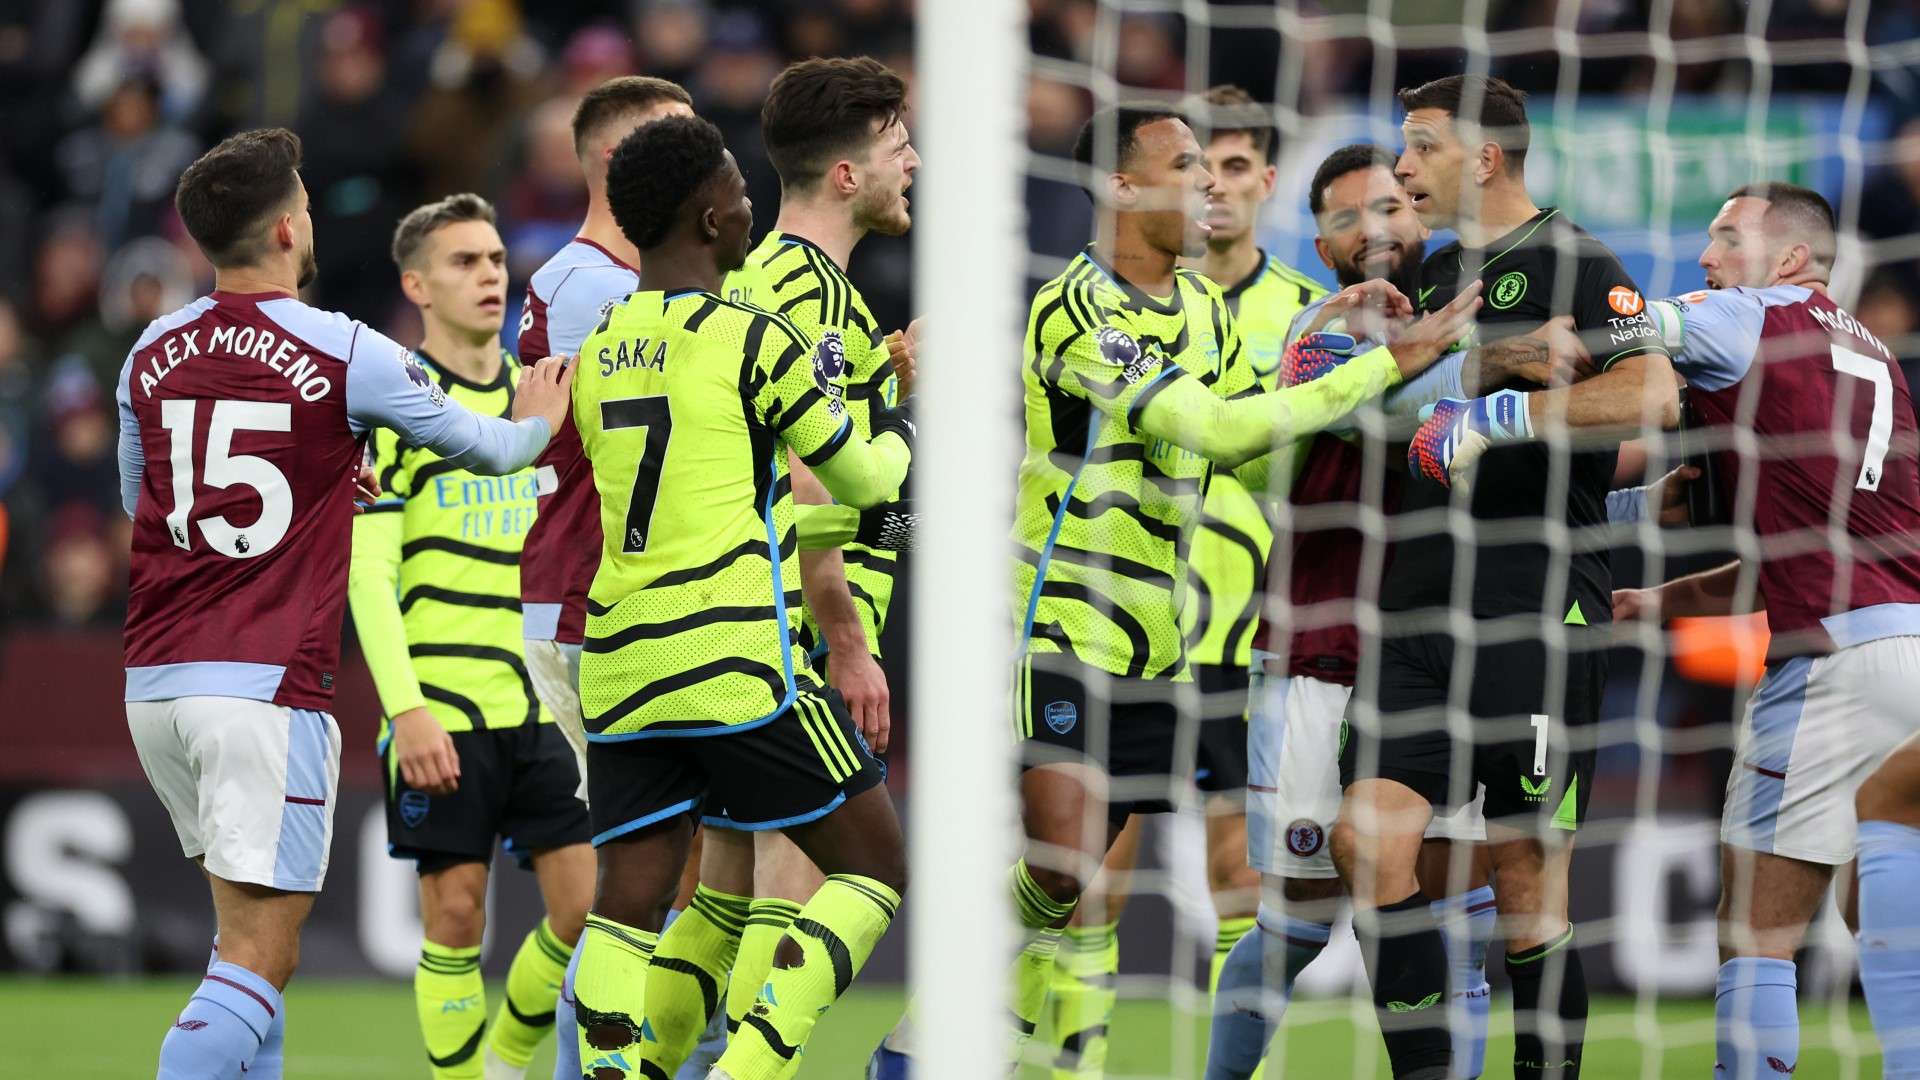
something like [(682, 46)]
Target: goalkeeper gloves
[(888, 527), (1313, 355), (1455, 433)]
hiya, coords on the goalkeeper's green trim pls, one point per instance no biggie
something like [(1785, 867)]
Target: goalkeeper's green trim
[(1542, 220), (1542, 951)]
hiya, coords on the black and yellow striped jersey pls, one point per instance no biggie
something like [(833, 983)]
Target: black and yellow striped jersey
[(435, 575), (1104, 511), (687, 405), (790, 275), (1227, 566)]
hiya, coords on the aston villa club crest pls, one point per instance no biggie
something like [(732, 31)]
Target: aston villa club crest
[(1305, 837)]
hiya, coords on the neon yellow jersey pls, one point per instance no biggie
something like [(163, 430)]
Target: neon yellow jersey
[(1103, 509), (435, 576), (1227, 566), (686, 405), (791, 276)]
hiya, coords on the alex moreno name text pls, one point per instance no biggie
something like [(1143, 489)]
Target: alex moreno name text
[(241, 341)]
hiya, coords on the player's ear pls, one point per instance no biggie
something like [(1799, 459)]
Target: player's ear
[(841, 175), (1267, 179), (414, 288), (1792, 261), (1321, 249), (1491, 160), (1119, 190)]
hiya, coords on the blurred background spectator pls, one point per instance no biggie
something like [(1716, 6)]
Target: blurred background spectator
[(399, 101)]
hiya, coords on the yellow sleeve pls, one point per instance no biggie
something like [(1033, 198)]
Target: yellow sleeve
[(1235, 432), (806, 410), (373, 580)]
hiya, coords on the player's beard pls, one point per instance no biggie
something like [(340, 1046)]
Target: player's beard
[(1404, 276), (880, 211), (309, 269)]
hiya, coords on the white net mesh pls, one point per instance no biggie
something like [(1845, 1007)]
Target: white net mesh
[(1643, 118)]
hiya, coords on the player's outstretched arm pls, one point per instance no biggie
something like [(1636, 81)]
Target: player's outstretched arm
[(384, 389), (1232, 433), (1710, 592)]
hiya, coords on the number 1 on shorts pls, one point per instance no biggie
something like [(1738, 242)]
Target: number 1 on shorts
[(1539, 744)]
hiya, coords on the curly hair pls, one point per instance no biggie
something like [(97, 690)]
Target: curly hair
[(655, 171)]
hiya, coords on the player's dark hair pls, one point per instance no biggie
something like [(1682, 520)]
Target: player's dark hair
[(617, 98), (1793, 199), (1347, 159), (423, 221), (1801, 208), (1232, 111), (1113, 133), (656, 169), (230, 192), (1495, 105), (822, 111)]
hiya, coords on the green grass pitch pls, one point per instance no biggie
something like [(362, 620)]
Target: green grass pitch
[(356, 1030)]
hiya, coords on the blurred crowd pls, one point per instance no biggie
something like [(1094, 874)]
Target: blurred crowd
[(104, 102)]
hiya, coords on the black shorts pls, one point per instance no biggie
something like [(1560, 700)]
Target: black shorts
[(1222, 768), (517, 784), (1530, 738), (1065, 711), (794, 768)]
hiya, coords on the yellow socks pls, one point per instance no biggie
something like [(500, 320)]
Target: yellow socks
[(608, 992), (1081, 1005), (836, 932), (533, 985), (1039, 914), (689, 968), (767, 922), (452, 1003)]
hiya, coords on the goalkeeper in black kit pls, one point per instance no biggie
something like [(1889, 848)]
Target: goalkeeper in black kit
[(1529, 679)]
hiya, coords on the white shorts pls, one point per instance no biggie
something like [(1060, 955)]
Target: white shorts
[(1293, 776), (250, 785), (555, 669), (1813, 730)]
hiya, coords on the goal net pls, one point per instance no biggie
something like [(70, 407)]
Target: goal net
[(1642, 122)]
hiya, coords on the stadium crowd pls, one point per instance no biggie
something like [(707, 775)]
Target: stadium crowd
[(399, 101)]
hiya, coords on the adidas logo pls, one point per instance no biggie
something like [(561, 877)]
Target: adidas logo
[(1779, 1066), (1427, 1002), (610, 1061), (190, 1025)]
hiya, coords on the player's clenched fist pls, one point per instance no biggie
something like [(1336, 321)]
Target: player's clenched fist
[(1631, 604), (545, 391), (901, 348)]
